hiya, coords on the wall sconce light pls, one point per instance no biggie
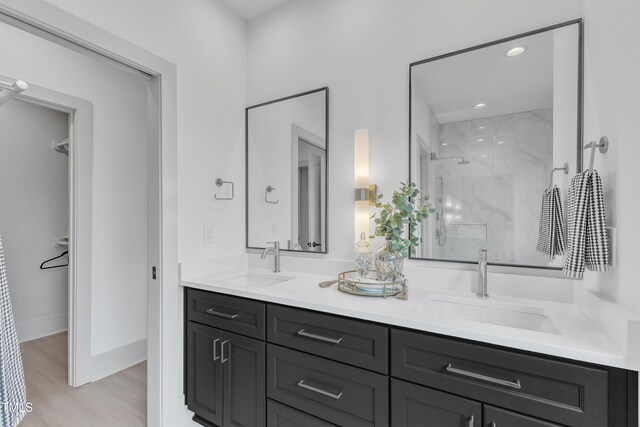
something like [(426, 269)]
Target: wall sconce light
[(365, 193)]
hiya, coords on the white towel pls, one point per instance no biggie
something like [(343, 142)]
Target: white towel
[(588, 245), (551, 238), (13, 397)]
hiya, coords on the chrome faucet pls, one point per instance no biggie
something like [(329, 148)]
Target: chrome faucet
[(482, 274), (293, 246), (275, 251)]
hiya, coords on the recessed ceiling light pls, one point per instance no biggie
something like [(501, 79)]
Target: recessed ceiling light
[(444, 143), (515, 51), (480, 140), (500, 142), (480, 105), (483, 155), (481, 128)]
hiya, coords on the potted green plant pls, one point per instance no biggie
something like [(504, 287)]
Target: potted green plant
[(407, 207)]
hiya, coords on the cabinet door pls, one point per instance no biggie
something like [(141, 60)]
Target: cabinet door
[(243, 364), (417, 406), (497, 417), (204, 372)]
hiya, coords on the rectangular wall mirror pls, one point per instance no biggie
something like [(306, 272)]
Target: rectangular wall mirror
[(488, 126), (287, 146)]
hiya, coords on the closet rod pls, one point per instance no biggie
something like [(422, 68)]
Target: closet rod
[(10, 90)]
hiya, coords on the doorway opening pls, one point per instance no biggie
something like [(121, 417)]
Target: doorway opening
[(97, 214)]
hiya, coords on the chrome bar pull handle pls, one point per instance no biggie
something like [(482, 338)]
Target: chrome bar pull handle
[(311, 335), (493, 424), (222, 360), (513, 384), (469, 421), (214, 312), (318, 390), (215, 352)]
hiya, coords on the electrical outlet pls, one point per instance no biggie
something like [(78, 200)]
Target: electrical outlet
[(209, 234)]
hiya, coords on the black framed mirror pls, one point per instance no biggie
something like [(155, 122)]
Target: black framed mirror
[(488, 126), (287, 147)]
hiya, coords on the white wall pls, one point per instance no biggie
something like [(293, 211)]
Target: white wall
[(207, 42), (119, 256), (34, 211), (612, 90), (362, 49)]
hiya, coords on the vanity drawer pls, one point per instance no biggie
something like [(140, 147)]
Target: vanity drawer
[(279, 415), (338, 393), (245, 317), (355, 342), (497, 417), (554, 390)]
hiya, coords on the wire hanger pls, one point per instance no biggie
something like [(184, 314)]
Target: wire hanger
[(42, 267)]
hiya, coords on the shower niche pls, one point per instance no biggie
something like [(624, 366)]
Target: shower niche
[(488, 125)]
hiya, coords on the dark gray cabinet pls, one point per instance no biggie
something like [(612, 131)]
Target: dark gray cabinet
[(279, 415), (204, 372), (341, 394), (416, 406), (225, 384), (555, 390), (497, 417), (317, 369), (233, 314), (355, 342), (243, 372)]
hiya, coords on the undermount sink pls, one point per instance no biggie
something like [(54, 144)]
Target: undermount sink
[(255, 280), (492, 312)]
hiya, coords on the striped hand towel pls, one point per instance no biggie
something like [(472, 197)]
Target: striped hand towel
[(12, 388), (588, 245), (551, 239)]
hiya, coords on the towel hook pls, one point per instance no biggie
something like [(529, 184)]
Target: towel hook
[(220, 183), (603, 145), (268, 190), (564, 168)]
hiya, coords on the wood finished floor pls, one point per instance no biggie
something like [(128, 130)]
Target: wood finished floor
[(118, 400)]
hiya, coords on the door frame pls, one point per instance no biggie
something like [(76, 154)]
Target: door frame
[(80, 224), (80, 124), (164, 299), (298, 133)]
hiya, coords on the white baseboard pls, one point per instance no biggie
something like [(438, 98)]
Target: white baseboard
[(112, 361), (45, 326)]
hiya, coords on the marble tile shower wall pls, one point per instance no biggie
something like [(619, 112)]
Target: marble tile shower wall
[(496, 196)]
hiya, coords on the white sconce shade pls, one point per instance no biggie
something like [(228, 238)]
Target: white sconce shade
[(361, 158), (361, 178)]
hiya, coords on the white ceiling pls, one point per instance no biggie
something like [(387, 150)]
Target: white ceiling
[(452, 86), (250, 9)]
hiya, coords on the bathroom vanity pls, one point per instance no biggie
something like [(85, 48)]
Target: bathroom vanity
[(266, 358)]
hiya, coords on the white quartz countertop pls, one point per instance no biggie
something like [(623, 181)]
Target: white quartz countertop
[(575, 338)]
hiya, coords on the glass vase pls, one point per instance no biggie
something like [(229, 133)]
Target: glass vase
[(388, 262)]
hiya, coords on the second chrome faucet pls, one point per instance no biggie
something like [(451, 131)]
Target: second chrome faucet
[(482, 274)]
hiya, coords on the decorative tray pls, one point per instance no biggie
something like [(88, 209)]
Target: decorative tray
[(370, 286)]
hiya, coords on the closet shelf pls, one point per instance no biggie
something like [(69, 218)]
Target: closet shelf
[(61, 147), (63, 241)]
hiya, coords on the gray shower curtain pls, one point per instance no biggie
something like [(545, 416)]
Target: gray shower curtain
[(13, 398)]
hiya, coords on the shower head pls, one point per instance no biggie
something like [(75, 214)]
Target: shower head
[(461, 160)]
